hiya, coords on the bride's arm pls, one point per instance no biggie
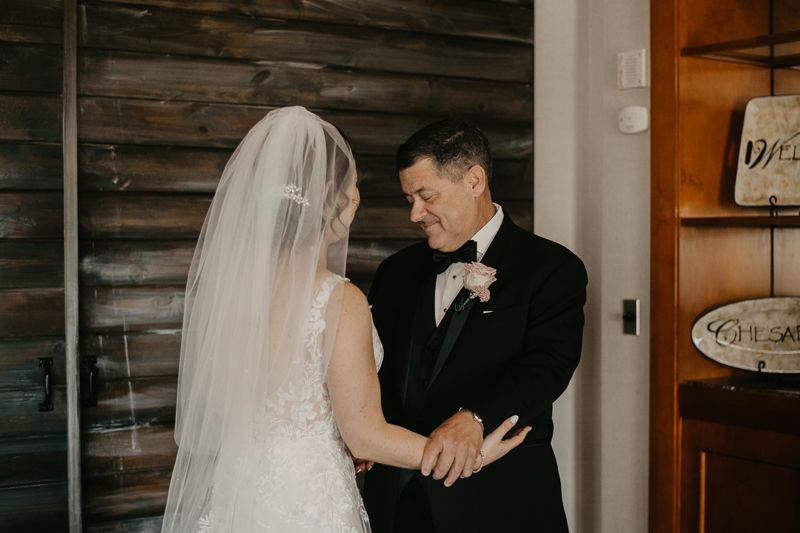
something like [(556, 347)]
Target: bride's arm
[(356, 397)]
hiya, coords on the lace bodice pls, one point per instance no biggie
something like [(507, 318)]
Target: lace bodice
[(302, 472)]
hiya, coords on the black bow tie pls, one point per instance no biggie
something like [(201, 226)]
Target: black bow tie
[(466, 254)]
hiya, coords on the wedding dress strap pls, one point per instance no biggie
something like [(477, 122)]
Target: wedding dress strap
[(325, 290)]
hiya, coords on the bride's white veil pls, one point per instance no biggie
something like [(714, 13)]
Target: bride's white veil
[(283, 205)]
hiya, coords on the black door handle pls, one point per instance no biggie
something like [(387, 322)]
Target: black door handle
[(47, 364), (91, 362)]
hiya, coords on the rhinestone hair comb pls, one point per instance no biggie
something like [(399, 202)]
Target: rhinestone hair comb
[(293, 193)]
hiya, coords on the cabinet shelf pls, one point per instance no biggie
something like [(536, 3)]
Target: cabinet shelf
[(748, 222), (770, 51)]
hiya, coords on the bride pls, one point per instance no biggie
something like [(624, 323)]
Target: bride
[(278, 382)]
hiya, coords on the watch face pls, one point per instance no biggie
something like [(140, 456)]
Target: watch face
[(475, 416)]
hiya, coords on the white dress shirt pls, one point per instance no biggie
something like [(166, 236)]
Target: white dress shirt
[(450, 282)]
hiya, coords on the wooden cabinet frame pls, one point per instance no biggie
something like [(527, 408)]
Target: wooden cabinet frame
[(691, 210)]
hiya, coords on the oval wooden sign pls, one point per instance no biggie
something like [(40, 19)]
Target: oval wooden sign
[(746, 334)]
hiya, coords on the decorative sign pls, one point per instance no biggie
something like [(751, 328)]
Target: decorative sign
[(752, 333), (769, 154)]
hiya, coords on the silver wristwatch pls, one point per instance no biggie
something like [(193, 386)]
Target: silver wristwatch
[(475, 416)]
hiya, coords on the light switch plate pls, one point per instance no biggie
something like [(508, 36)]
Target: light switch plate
[(630, 317)]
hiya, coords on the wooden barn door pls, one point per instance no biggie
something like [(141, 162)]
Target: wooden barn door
[(33, 427), (166, 90)]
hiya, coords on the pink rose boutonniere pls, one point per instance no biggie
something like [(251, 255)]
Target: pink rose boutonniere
[(477, 280)]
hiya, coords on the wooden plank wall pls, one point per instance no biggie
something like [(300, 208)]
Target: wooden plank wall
[(33, 444), (166, 90)]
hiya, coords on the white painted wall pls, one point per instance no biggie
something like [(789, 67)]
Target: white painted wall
[(592, 194)]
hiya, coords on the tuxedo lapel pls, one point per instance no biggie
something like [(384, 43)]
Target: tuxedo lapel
[(490, 258), (453, 331)]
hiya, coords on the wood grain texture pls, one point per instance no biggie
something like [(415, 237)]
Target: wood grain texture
[(707, 22), (126, 121), (756, 410), (30, 118), (757, 447), (31, 166), (128, 450), (150, 168), (663, 431), (745, 495), (19, 362), (158, 77), (33, 12), (455, 17), (19, 33), (151, 524), (134, 402), (19, 410), (105, 309), (785, 82), (31, 68), (33, 460), (364, 256), (31, 265), (127, 495), (787, 259), (35, 508), (31, 215), (142, 216), (786, 15), (176, 169), (134, 355), (188, 33), (31, 313), (135, 262)]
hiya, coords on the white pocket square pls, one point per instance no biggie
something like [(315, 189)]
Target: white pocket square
[(487, 312)]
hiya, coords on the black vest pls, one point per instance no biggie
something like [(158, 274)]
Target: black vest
[(425, 348)]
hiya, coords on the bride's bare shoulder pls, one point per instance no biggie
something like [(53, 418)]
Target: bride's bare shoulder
[(355, 309), (353, 298)]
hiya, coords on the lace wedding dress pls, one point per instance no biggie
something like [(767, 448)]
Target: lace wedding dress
[(301, 476)]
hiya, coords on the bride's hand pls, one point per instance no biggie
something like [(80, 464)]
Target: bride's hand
[(494, 447)]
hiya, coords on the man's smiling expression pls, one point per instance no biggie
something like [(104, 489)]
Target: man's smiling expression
[(446, 210)]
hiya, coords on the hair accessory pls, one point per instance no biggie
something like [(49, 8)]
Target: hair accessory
[(292, 192)]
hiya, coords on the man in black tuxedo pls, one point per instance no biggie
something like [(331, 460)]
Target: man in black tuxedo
[(455, 372)]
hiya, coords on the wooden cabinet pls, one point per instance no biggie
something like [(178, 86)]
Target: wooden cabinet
[(740, 456), (711, 470)]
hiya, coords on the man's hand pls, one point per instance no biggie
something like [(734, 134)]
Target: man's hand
[(453, 448)]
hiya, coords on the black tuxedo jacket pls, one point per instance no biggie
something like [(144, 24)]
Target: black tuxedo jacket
[(513, 354)]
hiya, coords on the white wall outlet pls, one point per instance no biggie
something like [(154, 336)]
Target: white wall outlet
[(634, 119), (632, 69)]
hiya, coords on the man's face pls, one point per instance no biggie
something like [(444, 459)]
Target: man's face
[(446, 210)]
